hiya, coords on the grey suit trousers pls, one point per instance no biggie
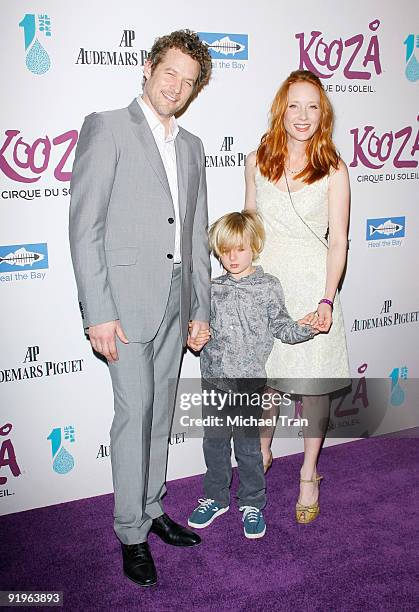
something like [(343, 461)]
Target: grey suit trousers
[(144, 394)]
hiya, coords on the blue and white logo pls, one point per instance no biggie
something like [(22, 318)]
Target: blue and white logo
[(412, 64), (386, 228), (226, 46), (35, 27), (19, 257), (62, 459), (397, 393)]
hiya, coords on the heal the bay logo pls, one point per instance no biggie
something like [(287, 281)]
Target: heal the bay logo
[(385, 232), (22, 258), (36, 27), (22, 261), (228, 51)]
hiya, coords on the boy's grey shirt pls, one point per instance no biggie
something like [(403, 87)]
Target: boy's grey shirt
[(246, 315)]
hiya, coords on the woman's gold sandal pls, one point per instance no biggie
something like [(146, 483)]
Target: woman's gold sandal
[(307, 514), (267, 465)]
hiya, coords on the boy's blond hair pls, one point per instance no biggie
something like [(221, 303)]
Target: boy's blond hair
[(229, 231)]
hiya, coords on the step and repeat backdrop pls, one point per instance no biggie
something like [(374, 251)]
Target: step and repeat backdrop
[(62, 61)]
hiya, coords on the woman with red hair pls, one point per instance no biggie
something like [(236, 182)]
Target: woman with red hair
[(298, 183)]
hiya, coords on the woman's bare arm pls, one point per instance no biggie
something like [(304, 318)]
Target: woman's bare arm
[(249, 175)]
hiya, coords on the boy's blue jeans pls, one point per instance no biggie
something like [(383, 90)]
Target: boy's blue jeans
[(217, 452)]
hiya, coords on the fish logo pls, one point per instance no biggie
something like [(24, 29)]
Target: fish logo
[(223, 46), (23, 257), (385, 228), (388, 228)]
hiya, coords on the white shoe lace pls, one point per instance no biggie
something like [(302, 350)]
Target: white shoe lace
[(204, 504), (251, 513)]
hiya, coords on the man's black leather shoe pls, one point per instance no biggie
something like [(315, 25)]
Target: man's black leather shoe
[(172, 533), (138, 564)]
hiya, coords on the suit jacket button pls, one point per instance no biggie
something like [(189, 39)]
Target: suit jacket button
[(171, 220), (169, 256)]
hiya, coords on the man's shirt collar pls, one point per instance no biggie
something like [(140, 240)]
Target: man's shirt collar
[(156, 125)]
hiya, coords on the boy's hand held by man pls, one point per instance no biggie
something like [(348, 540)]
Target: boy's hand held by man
[(198, 336)]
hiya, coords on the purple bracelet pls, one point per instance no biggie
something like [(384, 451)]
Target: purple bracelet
[(325, 301)]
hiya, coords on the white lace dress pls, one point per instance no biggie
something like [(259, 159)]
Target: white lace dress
[(294, 255)]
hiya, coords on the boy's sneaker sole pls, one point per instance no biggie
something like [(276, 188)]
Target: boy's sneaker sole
[(214, 516), (255, 536)]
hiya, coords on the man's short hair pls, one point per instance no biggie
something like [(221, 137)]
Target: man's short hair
[(189, 43), (231, 230)]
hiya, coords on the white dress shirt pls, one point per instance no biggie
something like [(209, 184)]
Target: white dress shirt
[(166, 147)]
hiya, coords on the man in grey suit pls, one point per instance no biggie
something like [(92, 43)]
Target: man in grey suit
[(138, 236)]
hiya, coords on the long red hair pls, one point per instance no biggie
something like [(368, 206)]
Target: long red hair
[(320, 150)]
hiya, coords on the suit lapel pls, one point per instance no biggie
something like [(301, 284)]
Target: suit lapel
[(182, 163), (151, 151)]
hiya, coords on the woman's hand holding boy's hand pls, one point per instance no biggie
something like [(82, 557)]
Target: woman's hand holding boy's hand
[(324, 312), (310, 319), (198, 336)]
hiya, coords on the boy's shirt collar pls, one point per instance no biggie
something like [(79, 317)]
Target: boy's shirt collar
[(253, 276)]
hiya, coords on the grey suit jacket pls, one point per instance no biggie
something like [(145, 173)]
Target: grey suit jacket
[(122, 232)]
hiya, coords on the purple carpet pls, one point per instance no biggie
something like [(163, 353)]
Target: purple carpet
[(361, 554)]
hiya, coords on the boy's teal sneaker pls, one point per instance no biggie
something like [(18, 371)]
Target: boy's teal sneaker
[(205, 513), (254, 523)]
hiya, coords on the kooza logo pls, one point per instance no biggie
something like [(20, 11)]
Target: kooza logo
[(62, 460), (35, 26), (226, 46), (386, 228), (7, 454), (16, 156), (373, 150), (412, 64), (359, 412), (23, 257), (359, 57)]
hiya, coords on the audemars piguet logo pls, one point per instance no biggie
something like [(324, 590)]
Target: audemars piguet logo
[(385, 318), (31, 368), (226, 157), (124, 55)]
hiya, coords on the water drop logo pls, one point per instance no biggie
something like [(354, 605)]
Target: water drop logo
[(62, 459), (412, 64), (34, 27), (397, 394)]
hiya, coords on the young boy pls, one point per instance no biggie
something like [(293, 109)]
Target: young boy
[(247, 313)]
